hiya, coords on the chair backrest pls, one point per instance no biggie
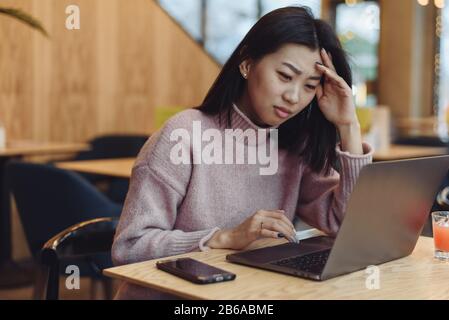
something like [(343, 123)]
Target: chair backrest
[(50, 200), (85, 238), (88, 241), (113, 146)]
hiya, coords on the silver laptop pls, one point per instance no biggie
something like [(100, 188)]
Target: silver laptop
[(385, 215)]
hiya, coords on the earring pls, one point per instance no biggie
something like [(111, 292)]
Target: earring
[(245, 75)]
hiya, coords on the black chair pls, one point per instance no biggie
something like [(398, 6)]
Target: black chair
[(107, 147), (85, 241), (113, 146), (50, 199)]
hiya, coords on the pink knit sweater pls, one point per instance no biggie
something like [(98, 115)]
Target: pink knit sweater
[(172, 208)]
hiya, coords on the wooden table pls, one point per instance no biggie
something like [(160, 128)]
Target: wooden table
[(418, 276), (109, 167), (122, 167), (16, 150), (397, 152), (29, 148)]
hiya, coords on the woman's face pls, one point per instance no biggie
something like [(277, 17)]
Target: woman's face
[(280, 85)]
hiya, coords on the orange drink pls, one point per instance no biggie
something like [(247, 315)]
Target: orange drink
[(440, 223)]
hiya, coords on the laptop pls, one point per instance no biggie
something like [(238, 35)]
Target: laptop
[(385, 215)]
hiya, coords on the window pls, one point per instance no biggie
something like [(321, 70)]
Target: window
[(187, 13), (223, 16), (220, 25)]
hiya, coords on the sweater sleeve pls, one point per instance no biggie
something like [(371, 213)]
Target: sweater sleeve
[(322, 199), (157, 188)]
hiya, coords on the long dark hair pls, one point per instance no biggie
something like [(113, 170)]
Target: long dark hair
[(309, 134)]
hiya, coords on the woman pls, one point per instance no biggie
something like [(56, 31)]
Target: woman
[(288, 78)]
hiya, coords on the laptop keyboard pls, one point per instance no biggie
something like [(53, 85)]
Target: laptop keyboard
[(313, 262)]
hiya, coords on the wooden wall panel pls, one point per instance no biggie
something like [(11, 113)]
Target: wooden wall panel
[(406, 58), (395, 56), (136, 83), (127, 58), (16, 73), (73, 75)]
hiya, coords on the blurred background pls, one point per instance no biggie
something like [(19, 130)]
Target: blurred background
[(133, 64)]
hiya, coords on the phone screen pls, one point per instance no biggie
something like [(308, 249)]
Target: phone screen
[(194, 267)]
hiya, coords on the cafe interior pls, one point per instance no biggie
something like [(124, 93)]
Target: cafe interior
[(85, 83)]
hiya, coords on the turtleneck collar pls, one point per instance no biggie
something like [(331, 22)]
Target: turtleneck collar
[(240, 121)]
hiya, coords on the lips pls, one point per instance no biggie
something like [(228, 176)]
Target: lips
[(282, 112)]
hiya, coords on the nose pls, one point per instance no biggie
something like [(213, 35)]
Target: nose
[(292, 95)]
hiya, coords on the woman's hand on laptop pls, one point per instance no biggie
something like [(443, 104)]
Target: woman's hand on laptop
[(263, 223)]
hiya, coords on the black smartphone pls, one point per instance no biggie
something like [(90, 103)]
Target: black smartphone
[(195, 271)]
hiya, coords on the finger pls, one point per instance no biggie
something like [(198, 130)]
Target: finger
[(346, 92), (277, 221), (327, 59), (277, 214), (274, 223), (286, 219), (332, 87), (333, 76), (269, 234), (337, 87), (280, 214), (319, 92), (278, 225)]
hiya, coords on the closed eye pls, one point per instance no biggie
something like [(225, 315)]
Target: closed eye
[(285, 77), (311, 87)]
